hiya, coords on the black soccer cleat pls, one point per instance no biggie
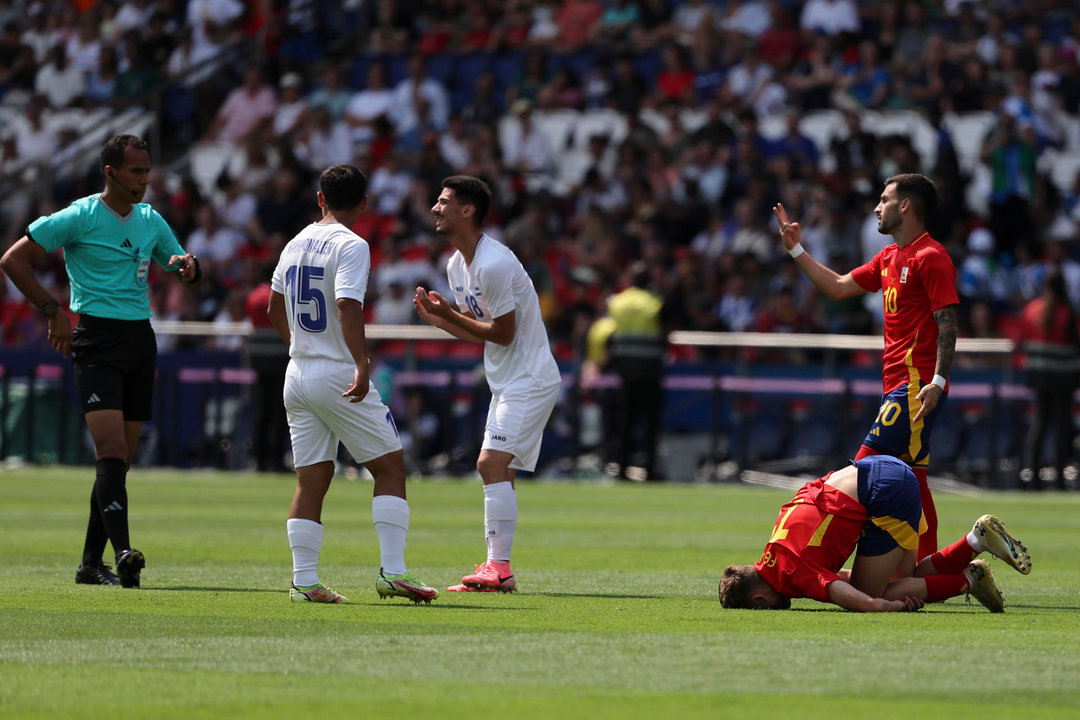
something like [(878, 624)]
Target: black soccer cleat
[(95, 575), (129, 564)]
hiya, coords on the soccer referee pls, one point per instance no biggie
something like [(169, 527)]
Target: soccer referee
[(109, 240)]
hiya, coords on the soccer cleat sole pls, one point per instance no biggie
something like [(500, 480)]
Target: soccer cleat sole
[(997, 541), (478, 588), (416, 598), (129, 567)]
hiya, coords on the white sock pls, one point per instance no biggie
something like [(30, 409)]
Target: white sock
[(973, 541), (305, 539), (391, 516), (500, 520)]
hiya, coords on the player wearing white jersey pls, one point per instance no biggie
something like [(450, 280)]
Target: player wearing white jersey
[(496, 305), (317, 307)]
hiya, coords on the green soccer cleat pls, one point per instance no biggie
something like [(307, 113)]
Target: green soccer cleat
[(981, 586), (404, 585), (317, 593), (997, 541)]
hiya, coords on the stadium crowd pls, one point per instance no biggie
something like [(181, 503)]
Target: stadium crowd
[(612, 131)]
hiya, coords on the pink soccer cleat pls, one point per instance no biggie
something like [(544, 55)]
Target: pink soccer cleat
[(491, 576)]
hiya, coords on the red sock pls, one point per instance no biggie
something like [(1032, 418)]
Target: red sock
[(927, 540), (954, 558), (942, 587)]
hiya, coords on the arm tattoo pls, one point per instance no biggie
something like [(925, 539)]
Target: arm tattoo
[(946, 340)]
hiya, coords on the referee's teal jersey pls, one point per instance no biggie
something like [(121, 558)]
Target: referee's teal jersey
[(108, 256)]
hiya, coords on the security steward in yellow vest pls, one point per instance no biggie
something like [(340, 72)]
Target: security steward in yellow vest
[(637, 347)]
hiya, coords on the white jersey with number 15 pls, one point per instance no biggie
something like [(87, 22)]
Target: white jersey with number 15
[(323, 263)]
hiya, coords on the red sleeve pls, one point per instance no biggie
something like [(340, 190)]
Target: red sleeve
[(868, 276), (939, 279)]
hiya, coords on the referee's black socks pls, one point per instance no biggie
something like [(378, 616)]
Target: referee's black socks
[(110, 489)]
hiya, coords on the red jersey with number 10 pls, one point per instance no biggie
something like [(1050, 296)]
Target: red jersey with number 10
[(814, 536), (915, 281)]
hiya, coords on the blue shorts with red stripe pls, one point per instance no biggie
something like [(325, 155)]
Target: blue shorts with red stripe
[(893, 432), (890, 493)]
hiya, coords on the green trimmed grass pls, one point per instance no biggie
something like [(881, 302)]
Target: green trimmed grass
[(615, 615)]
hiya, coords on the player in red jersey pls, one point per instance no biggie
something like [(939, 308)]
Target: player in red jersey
[(918, 284), (872, 504)]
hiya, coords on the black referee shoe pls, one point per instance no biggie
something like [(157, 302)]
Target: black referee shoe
[(95, 575), (128, 565)]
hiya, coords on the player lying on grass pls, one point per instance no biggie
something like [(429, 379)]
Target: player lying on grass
[(873, 503)]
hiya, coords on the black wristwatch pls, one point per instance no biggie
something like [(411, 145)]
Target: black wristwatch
[(50, 308)]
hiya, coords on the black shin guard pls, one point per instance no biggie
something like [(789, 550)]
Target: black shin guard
[(110, 489)]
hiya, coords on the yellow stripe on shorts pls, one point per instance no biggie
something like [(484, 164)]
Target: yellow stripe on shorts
[(900, 530)]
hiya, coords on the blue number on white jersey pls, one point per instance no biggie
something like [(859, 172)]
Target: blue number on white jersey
[(303, 294), (474, 307)]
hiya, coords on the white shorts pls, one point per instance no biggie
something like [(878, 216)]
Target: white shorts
[(319, 417), (516, 421)]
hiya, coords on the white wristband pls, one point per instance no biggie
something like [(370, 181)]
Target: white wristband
[(939, 381), (796, 251)]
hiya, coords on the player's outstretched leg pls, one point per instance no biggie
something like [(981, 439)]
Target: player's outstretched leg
[(996, 540), (317, 593), (404, 585), (981, 586), (129, 565)]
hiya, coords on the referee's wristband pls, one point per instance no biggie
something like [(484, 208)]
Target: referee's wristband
[(796, 251), (939, 381)]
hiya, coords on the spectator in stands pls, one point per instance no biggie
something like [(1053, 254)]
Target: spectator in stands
[(279, 215), (577, 21), (408, 93), (136, 84), (134, 15), (58, 80), (247, 110), (291, 112), (1051, 349), (332, 93), (322, 141), (628, 87), (1011, 154), (863, 83), (213, 241), (101, 83), (34, 140), (914, 35), (83, 49), (205, 16), (831, 17), (484, 107), (735, 309), (374, 101), (390, 186), (675, 82), (747, 80), (232, 311)]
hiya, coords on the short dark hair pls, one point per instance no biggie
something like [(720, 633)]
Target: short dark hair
[(343, 186), (471, 191), (736, 586), (113, 152), (917, 188)]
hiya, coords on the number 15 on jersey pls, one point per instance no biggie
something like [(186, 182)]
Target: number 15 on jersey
[(307, 302)]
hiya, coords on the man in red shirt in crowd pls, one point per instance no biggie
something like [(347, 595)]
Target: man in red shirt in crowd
[(873, 503), (918, 284)]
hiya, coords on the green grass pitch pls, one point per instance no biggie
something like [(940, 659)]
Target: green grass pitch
[(615, 616)]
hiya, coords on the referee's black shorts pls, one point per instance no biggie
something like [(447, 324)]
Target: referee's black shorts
[(115, 362)]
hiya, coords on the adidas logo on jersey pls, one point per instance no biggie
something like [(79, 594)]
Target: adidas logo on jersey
[(93, 399), (126, 243), (115, 505)]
